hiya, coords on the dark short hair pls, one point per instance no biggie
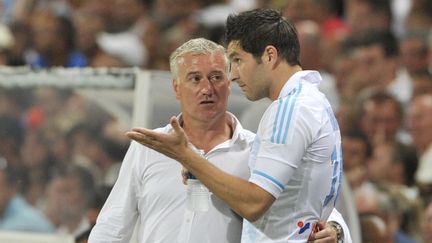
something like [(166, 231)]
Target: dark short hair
[(384, 38), (256, 29)]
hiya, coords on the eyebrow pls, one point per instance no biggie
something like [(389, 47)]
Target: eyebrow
[(232, 54), (193, 73), (216, 72)]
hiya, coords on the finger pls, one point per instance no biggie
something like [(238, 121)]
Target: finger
[(311, 237), (185, 175), (143, 139), (132, 135), (320, 225), (322, 234), (137, 136), (176, 125), (325, 235), (145, 131), (318, 241), (148, 134)]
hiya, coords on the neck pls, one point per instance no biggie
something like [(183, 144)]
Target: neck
[(280, 76), (206, 135)]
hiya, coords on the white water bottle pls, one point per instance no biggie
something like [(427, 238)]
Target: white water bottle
[(197, 195)]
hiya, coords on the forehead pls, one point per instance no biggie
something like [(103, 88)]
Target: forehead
[(203, 62), (234, 48), (369, 51)]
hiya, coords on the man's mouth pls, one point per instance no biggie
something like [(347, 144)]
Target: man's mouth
[(206, 102)]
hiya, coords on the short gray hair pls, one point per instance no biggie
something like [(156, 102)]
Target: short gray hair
[(195, 46)]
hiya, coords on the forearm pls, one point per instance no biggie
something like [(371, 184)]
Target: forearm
[(247, 199)]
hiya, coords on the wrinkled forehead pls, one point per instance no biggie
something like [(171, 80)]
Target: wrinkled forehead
[(202, 61)]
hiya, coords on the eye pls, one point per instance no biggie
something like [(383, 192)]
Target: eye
[(235, 63), (194, 78), (216, 77)]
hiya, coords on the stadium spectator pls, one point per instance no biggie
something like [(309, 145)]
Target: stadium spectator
[(15, 213), (68, 197)]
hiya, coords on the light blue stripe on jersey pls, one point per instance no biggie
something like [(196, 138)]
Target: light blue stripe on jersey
[(340, 174), (278, 183), (336, 173), (290, 113), (279, 123), (287, 101), (276, 119)]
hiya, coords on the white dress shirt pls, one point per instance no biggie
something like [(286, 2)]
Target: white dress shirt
[(150, 188)]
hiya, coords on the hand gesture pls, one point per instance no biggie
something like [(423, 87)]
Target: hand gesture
[(171, 144)]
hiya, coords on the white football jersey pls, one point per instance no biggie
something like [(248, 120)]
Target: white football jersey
[(297, 157)]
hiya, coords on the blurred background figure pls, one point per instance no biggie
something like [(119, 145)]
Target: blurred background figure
[(363, 16), (374, 229), (380, 117), (356, 152), (414, 51), (15, 213), (53, 39), (419, 120), (427, 227), (68, 197)]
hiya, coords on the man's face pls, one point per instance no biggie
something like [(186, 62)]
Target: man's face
[(45, 32), (202, 86), (419, 123), (354, 152), (414, 57), (65, 199), (370, 64), (248, 73), (380, 121)]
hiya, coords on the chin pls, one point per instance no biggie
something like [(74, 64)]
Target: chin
[(252, 98)]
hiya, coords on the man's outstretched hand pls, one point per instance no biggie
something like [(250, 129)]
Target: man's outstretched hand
[(170, 144)]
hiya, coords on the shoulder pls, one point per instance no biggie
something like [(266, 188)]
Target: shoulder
[(26, 218)]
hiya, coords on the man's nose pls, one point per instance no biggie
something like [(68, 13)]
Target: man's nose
[(207, 87), (233, 75)]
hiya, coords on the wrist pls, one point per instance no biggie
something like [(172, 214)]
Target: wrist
[(339, 231)]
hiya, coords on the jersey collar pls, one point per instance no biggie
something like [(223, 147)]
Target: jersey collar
[(308, 76)]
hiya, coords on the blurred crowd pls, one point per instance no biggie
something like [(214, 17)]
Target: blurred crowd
[(60, 153)]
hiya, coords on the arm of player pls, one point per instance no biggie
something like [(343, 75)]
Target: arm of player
[(247, 199)]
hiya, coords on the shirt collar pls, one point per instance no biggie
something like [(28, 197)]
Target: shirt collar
[(238, 130), (309, 76)]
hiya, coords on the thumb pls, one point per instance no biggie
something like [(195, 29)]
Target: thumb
[(176, 125)]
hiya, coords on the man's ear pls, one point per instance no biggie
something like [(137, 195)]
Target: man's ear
[(270, 55), (176, 88)]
